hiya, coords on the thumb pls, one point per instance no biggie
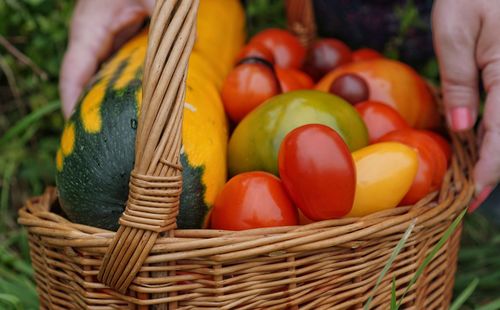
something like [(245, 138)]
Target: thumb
[(455, 30), (94, 27), (89, 42)]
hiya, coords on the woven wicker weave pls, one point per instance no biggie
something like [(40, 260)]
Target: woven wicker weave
[(326, 265)]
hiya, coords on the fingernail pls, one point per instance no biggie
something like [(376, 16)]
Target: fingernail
[(461, 118), (478, 201)]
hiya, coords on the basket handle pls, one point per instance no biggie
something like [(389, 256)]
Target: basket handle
[(156, 181), (301, 20)]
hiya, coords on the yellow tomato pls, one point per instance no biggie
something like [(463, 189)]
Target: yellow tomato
[(384, 172)]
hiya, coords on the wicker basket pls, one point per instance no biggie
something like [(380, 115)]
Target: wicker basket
[(147, 262)]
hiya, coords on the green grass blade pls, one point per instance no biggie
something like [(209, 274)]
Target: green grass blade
[(6, 178), (494, 305), (394, 305), (447, 234), (10, 300), (28, 120), (389, 263), (462, 298)]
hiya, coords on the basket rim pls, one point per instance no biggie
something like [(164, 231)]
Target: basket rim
[(455, 194)]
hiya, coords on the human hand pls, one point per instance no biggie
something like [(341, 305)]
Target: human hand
[(466, 42), (97, 28)]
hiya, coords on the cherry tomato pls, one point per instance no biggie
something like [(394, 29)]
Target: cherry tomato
[(380, 119), (286, 48), (246, 87), (255, 50), (442, 142), (293, 79), (350, 87), (318, 172), (253, 200), (363, 54), (326, 55), (432, 162)]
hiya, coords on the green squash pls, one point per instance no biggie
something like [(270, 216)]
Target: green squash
[(96, 154)]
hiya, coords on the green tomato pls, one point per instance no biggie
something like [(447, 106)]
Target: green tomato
[(256, 140)]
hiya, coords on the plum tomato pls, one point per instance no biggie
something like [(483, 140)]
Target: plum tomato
[(380, 119), (350, 87), (246, 87), (384, 174), (286, 48), (326, 55), (318, 172), (253, 200)]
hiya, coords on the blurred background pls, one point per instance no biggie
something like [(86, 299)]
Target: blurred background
[(33, 36)]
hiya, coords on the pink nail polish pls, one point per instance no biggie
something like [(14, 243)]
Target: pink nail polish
[(461, 118), (476, 203)]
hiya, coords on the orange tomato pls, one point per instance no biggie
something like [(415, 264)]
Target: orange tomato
[(395, 84)]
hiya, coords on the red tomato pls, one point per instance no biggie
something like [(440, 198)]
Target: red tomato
[(293, 79), (286, 48), (432, 162), (439, 158), (253, 200), (363, 54), (442, 142), (380, 119), (257, 50), (246, 87), (303, 220), (318, 172)]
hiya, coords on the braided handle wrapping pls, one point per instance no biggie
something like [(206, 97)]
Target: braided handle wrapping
[(156, 181), (301, 20)]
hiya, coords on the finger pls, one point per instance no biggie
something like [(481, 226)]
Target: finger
[(487, 170), (93, 30), (455, 42), (89, 42), (149, 5)]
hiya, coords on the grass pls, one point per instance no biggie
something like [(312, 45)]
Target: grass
[(30, 124)]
